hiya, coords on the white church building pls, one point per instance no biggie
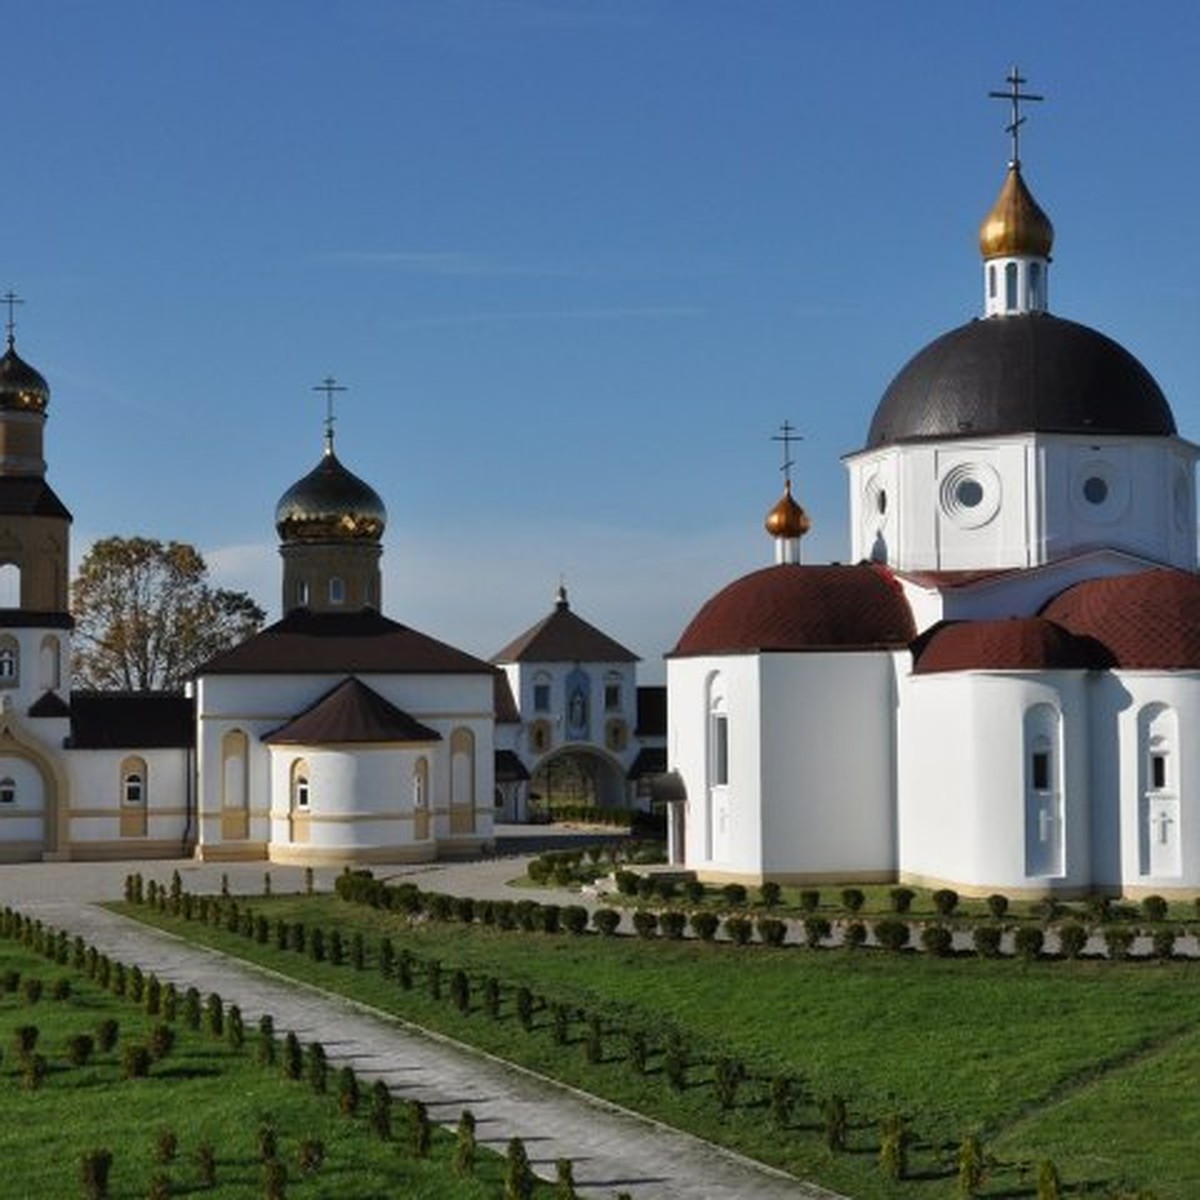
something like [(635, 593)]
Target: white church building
[(1003, 694)]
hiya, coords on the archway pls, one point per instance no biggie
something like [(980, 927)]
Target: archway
[(576, 778)]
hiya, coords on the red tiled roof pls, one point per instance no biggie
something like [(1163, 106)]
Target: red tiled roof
[(363, 642), (564, 637), (1149, 620), (351, 712), (1015, 644), (794, 607)]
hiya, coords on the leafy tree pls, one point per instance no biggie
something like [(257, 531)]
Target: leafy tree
[(146, 615)]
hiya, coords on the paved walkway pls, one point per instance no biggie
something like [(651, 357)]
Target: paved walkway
[(612, 1150)]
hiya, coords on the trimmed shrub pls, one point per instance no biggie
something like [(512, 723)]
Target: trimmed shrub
[(31, 989), (518, 1175), (1028, 942), (945, 901), (893, 1148), (420, 1130), (705, 925), (729, 1075), (465, 1146), (464, 909), (106, 1034), (161, 1041), (593, 1043), (318, 1068), (606, 921), (60, 989), (816, 930), (675, 1063), (734, 895), (574, 918), (379, 1119), (1072, 938), (627, 882), (892, 934), (33, 1072), (836, 1122), (772, 931), (433, 978), (460, 991), (524, 1006), (95, 1166), (997, 906), (491, 996), (387, 957), (560, 1024), (645, 923), (638, 1051), (214, 1015), (358, 952), (972, 1165), (206, 1164), (564, 1180), (810, 900), (79, 1049), (135, 1062), (235, 1028), (987, 940), (739, 930), (166, 1145), (293, 1057), (693, 892), (770, 894), (25, 1038), (1099, 908), (1118, 940), (1154, 908), (310, 1155), (937, 940), (1163, 940), (901, 899), (853, 899), (854, 934), (551, 915), (274, 1179), (348, 1093), (783, 1100)]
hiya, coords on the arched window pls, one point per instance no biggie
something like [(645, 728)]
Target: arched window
[(1044, 832), (462, 781), (420, 799), (8, 790), (1160, 849), (302, 593), (133, 781), (612, 692), (1035, 285), (541, 692), (1010, 286), (991, 281), (50, 660), (10, 585), (301, 791), (337, 590), (10, 662)]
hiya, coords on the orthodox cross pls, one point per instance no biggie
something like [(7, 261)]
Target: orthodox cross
[(787, 435), (12, 300), (1015, 96), (330, 387)]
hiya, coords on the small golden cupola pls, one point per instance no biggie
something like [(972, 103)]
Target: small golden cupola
[(330, 526), (787, 522), (1016, 237)]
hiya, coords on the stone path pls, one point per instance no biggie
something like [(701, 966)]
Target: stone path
[(612, 1150)]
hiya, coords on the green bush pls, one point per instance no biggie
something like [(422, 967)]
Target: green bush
[(704, 925), (1072, 938), (310, 1154), (1118, 940), (836, 1121), (518, 1175), (166, 1145), (770, 894), (672, 923), (564, 1180), (693, 891), (31, 989), (987, 940), (937, 940), (160, 1041), (380, 1116), (772, 931), (1163, 940), (893, 1148), (627, 882), (734, 895), (460, 991), (729, 1075), (420, 1129), (997, 906), (783, 1100), (214, 1015), (738, 930), (854, 934), (206, 1164), (318, 1068), (645, 923), (816, 930), (25, 1038), (1154, 908), (106, 1034), (853, 899), (79, 1049), (606, 921), (293, 1057), (892, 934), (901, 899), (265, 1052), (348, 1093), (465, 1146), (810, 900), (95, 1166), (574, 918), (135, 1062), (524, 1006), (551, 915), (1028, 942), (945, 901), (638, 1051), (675, 1062)]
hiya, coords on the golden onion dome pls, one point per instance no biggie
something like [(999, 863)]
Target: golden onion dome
[(787, 519), (330, 504), (1016, 225), (22, 389)]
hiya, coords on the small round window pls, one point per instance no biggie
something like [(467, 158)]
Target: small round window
[(1095, 489), (969, 493)]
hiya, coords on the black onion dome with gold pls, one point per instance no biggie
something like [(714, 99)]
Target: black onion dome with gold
[(330, 504), (22, 389)]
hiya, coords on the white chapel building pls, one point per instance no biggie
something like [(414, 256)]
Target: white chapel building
[(1003, 694)]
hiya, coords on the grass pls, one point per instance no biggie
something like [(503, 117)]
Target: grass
[(1077, 1062), (204, 1090)]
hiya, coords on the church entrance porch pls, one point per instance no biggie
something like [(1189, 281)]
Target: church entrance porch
[(575, 779)]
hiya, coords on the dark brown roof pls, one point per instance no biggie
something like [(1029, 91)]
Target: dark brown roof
[(21, 618), (509, 768), (563, 637), (363, 642), (794, 607), (1016, 644), (49, 704), (131, 720), (1149, 620), (507, 712), (652, 711), (351, 712), (29, 496)]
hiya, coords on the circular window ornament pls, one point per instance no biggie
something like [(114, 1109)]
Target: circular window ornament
[(1100, 491), (970, 494)]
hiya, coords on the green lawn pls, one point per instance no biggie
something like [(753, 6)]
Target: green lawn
[(204, 1090), (1083, 1062)]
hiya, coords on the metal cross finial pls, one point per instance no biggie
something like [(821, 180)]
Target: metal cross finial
[(330, 387), (12, 300), (787, 435), (1015, 96)]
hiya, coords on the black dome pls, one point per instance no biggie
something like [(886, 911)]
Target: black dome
[(330, 504), (1029, 373)]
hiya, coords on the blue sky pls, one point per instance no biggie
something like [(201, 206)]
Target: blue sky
[(575, 262)]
